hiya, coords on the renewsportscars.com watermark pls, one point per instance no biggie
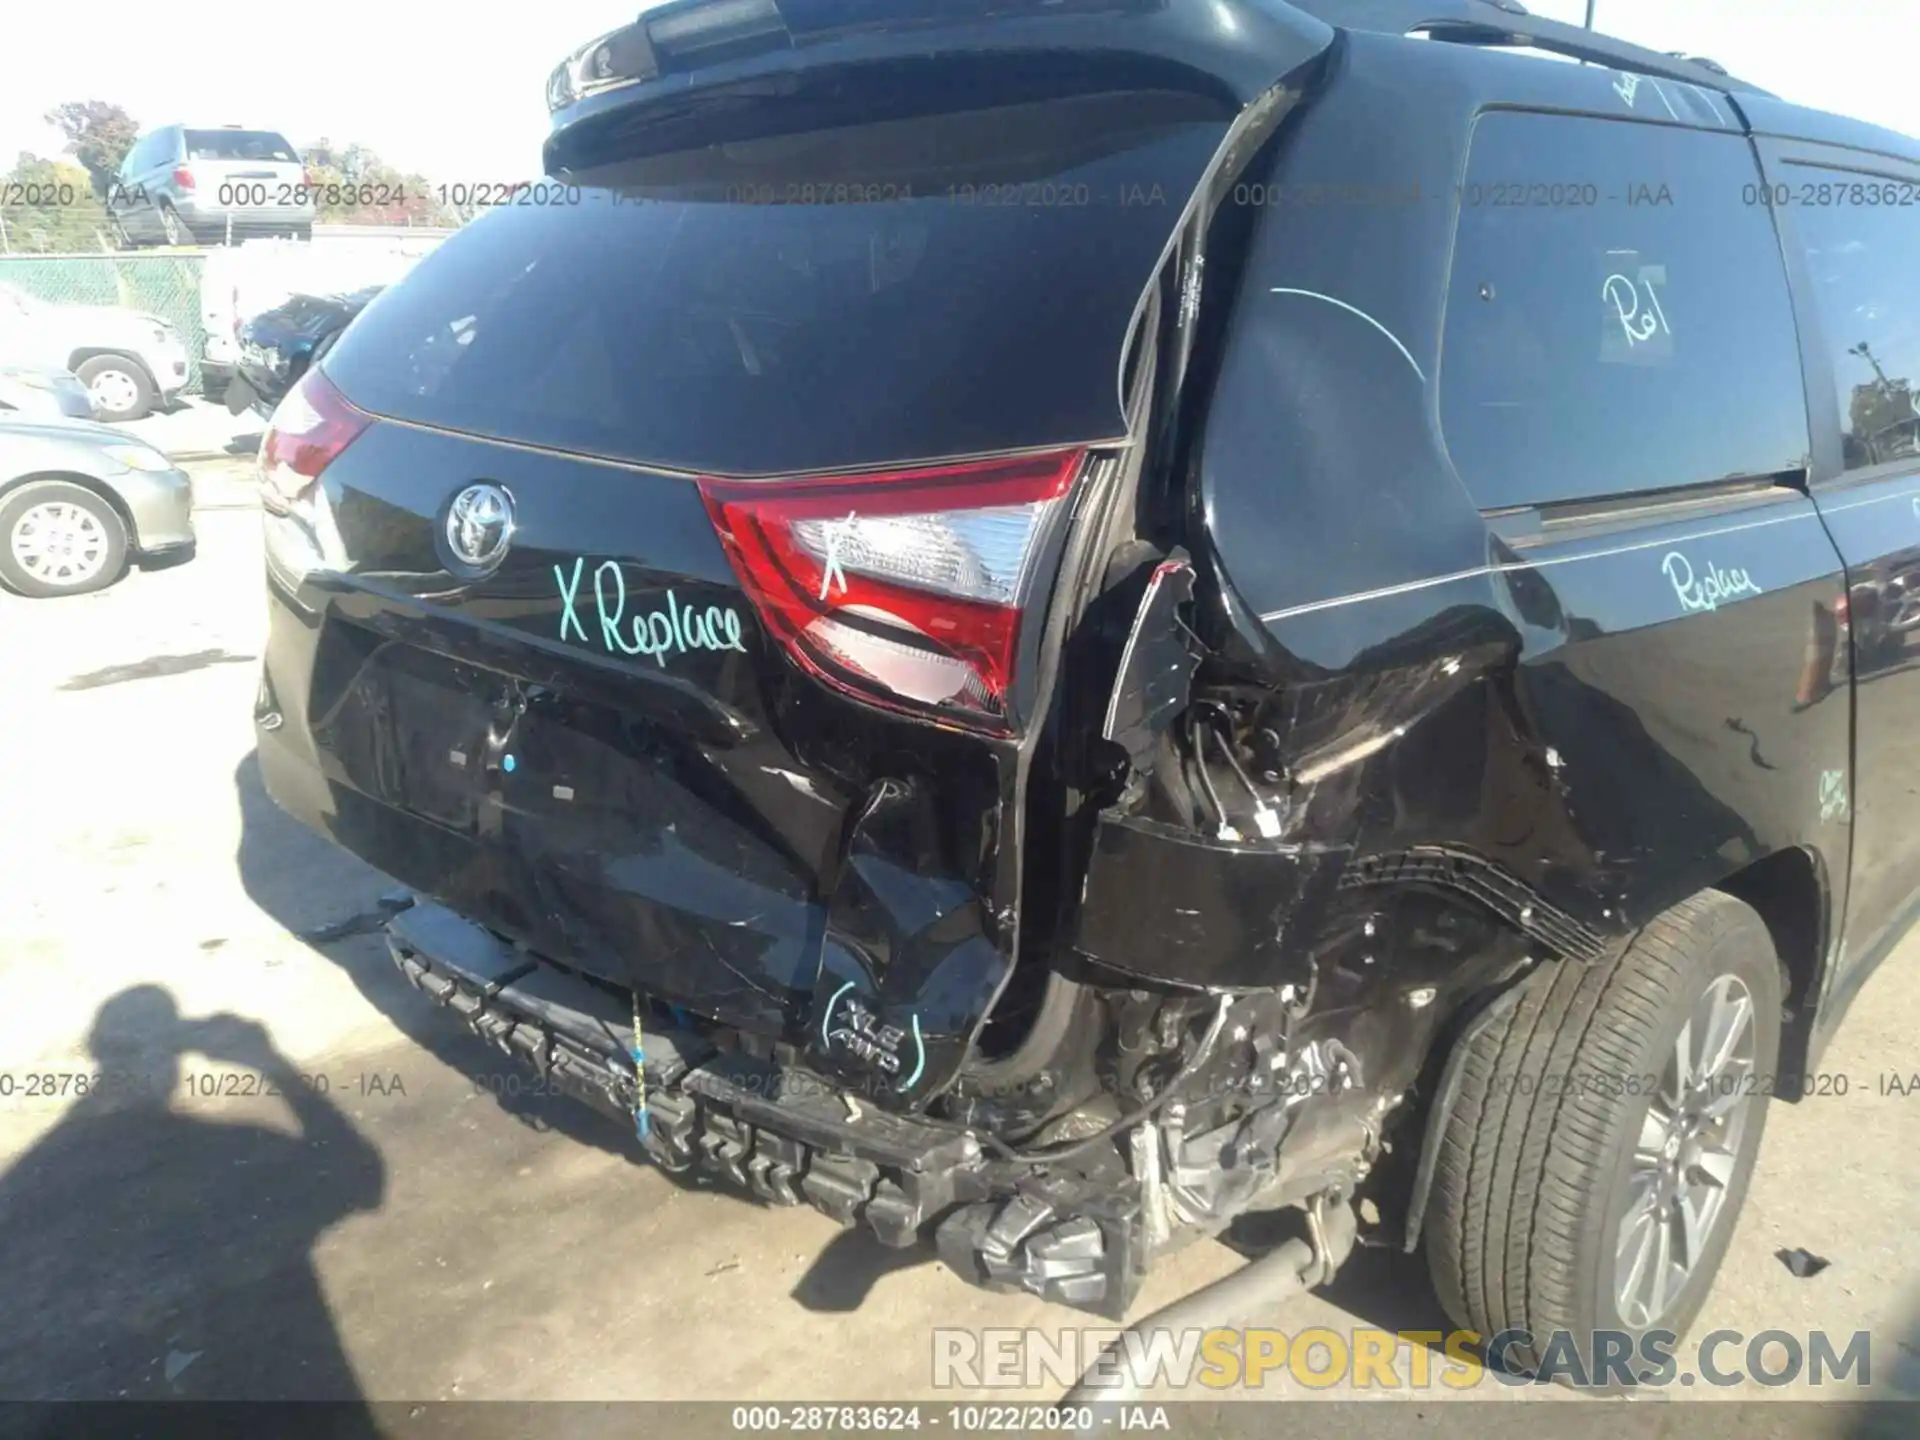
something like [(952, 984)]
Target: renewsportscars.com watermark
[(1320, 1358)]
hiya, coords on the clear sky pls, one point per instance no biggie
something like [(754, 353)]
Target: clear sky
[(456, 92)]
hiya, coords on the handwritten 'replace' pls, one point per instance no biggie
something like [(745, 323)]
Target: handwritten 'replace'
[(672, 629)]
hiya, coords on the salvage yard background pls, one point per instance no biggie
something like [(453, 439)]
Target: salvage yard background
[(167, 282), (405, 1219)]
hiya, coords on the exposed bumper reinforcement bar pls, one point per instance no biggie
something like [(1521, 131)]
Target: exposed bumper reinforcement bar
[(783, 1133)]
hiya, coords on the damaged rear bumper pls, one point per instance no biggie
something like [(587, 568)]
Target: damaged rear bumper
[(781, 1132)]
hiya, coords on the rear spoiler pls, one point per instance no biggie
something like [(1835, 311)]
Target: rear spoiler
[(688, 51)]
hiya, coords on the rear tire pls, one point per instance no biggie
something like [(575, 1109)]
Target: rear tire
[(58, 538), (172, 227), (1560, 1176), (120, 386)]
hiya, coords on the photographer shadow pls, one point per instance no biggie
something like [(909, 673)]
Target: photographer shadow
[(152, 1254)]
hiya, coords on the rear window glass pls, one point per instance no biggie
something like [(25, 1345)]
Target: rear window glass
[(1618, 318), (930, 286), (238, 145)]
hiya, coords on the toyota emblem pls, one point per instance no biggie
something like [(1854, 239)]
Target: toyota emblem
[(480, 526)]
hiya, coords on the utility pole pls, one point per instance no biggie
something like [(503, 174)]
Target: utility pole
[(1590, 4)]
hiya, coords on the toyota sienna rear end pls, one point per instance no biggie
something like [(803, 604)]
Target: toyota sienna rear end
[(683, 584), (911, 630)]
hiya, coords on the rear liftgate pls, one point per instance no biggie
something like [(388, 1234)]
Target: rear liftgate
[(914, 958)]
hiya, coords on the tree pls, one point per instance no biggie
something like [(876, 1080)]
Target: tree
[(99, 135), (354, 186), (1883, 421), (50, 206)]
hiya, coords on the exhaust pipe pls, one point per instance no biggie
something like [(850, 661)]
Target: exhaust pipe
[(1232, 1301)]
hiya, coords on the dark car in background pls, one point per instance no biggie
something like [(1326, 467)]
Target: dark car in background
[(941, 641), (276, 346)]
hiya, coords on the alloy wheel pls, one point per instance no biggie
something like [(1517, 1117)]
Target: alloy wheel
[(1686, 1153)]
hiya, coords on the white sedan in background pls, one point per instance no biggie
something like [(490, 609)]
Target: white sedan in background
[(130, 363)]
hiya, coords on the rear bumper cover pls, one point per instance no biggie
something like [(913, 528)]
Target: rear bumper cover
[(239, 394), (647, 835), (783, 1133), (200, 215)]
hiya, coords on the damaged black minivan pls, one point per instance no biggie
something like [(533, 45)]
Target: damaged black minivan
[(1041, 623)]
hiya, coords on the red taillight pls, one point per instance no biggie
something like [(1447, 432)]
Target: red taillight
[(183, 177), (907, 586), (311, 426)]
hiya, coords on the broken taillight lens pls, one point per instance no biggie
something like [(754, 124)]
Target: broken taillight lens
[(310, 427), (908, 586)]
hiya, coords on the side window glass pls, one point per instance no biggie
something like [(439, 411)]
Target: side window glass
[(1859, 235), (1617, 317)]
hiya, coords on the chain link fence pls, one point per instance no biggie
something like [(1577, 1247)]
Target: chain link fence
[(166, 285)]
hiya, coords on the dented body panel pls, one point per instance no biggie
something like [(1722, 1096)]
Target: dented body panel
[(1553, 717), (495, 745)]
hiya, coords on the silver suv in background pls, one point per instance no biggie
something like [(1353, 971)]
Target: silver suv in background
[(181, 184)]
